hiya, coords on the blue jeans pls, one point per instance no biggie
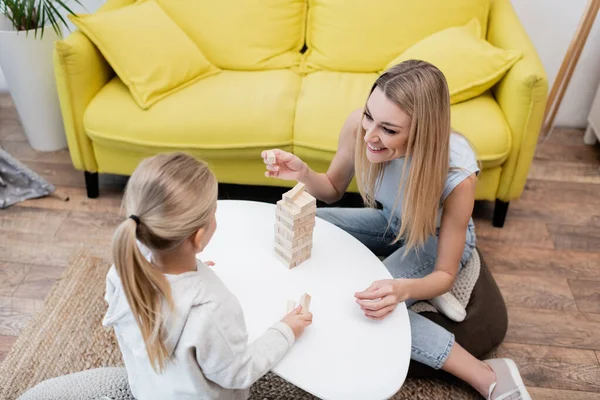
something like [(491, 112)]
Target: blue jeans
[(431, 344)]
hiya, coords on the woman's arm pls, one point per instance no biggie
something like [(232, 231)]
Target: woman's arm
[(458, 209), (387, 293), (331, 185)]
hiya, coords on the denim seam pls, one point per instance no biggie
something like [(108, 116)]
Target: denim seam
[(442, 359)]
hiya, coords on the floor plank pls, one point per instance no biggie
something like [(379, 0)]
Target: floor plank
[(27, 154), (552, 328), (575, 237), (537, 190), (565, 137), (531, 261), (587, 295), (554, 367), (84, 227), (565, 172), (536, 292), (573, 154), (15, 313), (555, 394), (532, 234), (38, 282), (31, 220), (11, 276), (554, 213), (109, 202)]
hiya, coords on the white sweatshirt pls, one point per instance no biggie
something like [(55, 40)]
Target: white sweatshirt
[(206, 339)]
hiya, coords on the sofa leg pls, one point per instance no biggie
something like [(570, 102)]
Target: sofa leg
[(500, 211), (92, 184)]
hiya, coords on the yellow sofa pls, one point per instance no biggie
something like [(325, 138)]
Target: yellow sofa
[(288, 80)]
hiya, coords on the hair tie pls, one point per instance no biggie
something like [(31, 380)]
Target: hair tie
[(136, 219)]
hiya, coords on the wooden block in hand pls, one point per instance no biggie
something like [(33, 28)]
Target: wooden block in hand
[(305, 303), (291, 304)]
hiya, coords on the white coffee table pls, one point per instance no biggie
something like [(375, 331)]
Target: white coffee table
[(343, 354)]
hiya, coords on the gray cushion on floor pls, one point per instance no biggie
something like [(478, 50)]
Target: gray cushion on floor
[(92, 384)]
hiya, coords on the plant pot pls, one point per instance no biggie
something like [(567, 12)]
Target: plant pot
[(26, 61)]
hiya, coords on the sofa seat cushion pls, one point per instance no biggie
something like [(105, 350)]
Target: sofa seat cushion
[(239, 111), (326, 98)]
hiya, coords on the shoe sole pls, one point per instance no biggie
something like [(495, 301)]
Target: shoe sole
[(514, 372)]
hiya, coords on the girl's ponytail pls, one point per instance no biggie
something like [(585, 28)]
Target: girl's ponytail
[(145, 287)]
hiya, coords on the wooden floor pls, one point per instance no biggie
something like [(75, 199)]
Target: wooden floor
[(546, 259)]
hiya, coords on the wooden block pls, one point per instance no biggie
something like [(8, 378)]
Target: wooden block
[(290, 245), (291, 195), (294, 252), (289, 234), (271, 158), (306, 202), (293, 224), (291, 304), (291, 262), (305, 302)]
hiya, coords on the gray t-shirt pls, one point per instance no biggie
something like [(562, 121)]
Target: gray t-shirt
[(462, 162)]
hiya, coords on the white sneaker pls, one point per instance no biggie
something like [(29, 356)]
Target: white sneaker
[(449, 305), (509, 384)]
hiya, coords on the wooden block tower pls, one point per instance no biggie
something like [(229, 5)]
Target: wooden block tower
[(294, 225)]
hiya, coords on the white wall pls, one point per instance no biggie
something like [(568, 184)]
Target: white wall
[(551, 25)]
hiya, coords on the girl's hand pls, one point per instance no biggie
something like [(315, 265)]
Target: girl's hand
[(297, 321), (382, 297), (287, 165)]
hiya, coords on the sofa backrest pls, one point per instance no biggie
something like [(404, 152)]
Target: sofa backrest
[(365, 35), (338, 35)]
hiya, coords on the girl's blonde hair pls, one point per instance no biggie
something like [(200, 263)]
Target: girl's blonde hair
[(420, 89), (173, 196)]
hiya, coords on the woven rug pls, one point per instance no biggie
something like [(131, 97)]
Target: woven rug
[(67, 336)]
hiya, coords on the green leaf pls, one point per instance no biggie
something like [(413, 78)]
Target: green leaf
[(36, 14)]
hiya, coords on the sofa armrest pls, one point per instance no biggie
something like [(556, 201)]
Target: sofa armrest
[(80, 71), (521, 94)]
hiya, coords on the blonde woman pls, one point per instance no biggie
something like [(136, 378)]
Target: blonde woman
[(180, 330), (404, 155)]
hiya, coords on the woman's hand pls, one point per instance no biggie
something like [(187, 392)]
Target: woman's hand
[(382, 297), (286, 166), (297, 320)]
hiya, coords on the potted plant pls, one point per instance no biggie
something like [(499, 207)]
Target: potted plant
[(28, 30)]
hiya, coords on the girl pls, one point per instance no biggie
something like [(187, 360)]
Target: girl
[(181, 332), (404, 156)]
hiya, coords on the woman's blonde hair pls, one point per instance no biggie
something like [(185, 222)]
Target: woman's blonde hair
[(173, 196), (421, 91)]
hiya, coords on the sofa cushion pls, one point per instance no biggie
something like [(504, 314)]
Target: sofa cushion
[(470, 64), (242, 112), (364, 36), (148, 51), (243, 34), (326, 98)]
